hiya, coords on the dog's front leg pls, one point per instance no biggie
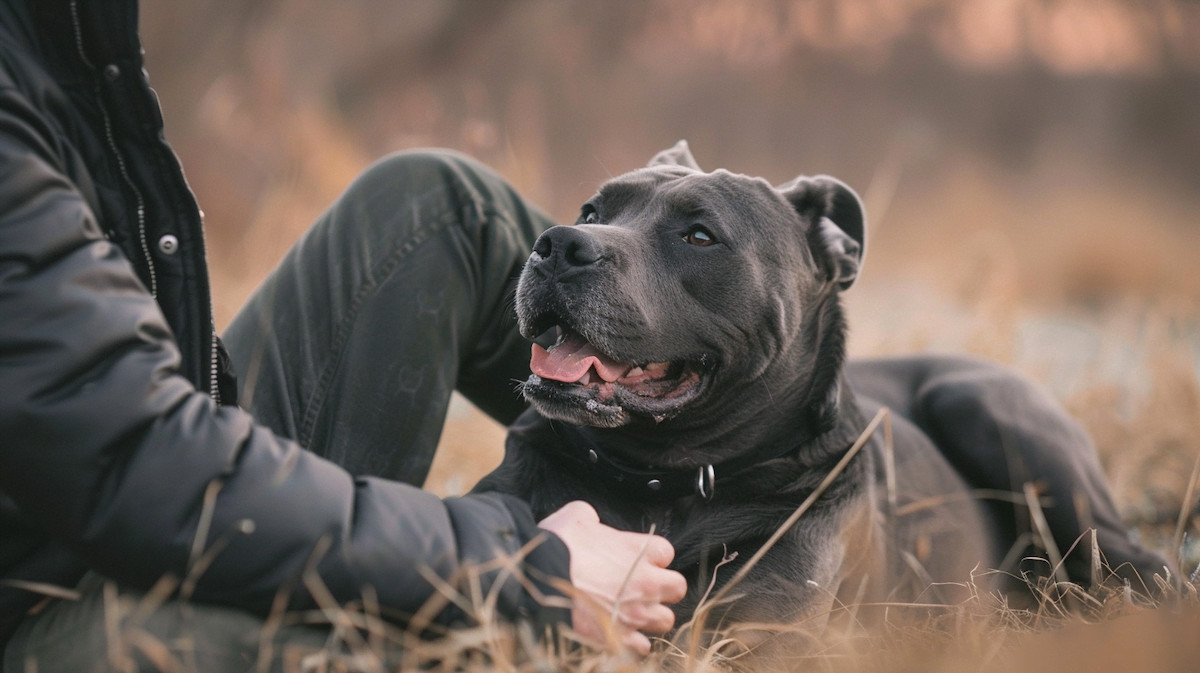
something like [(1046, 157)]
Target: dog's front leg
[(779, 604)]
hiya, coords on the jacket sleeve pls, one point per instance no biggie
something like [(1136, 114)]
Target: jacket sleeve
[(109, 451)]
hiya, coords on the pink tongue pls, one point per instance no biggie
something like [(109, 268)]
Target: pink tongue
[(571, 359)]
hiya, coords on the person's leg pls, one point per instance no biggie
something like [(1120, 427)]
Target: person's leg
[(400, 293), (107, 630)]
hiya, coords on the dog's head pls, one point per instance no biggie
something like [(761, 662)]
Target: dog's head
[(685, 296)]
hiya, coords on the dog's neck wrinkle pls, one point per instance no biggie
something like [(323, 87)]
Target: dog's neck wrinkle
[(825, 346), (804, 400), (801, 390)]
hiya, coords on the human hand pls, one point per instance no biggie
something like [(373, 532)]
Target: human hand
[(621, 578)]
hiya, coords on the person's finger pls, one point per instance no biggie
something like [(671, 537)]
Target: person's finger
[(636, 641), (659, 551), (653, 618), (592, 625), (650, 584), (672, 586)]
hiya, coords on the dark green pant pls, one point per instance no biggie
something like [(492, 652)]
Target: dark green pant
[(398, 295)]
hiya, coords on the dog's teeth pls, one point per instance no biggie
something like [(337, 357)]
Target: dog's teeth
[(657, 367), (585, 379), (636, 371)]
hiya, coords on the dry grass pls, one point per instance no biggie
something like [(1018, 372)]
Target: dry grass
[(1065, 627)]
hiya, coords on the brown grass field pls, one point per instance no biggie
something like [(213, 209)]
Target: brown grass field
[(1031, 170)]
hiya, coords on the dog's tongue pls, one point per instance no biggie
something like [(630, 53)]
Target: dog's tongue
[(570, 360)]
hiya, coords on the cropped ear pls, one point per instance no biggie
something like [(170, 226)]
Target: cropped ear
[(838, 225), (679, 155)]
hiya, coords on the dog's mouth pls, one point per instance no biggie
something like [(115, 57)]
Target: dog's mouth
[(575, 381)]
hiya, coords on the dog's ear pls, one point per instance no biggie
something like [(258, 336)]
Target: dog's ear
[(839, 225), (679, 155)]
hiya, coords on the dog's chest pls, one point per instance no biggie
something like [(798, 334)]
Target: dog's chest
[(698, 530), (644, 517), (660, 520)]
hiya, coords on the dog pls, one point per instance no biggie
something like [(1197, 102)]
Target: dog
[(689, 378)]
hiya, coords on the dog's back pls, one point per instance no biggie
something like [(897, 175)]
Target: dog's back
[(1025, 463)]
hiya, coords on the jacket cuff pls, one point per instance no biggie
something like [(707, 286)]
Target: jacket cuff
[(537, 595), (547, 568)]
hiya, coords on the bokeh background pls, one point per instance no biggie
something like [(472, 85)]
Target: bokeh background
[(1031, 168)]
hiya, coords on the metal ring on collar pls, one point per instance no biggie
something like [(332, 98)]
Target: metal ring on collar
[(706, 482)]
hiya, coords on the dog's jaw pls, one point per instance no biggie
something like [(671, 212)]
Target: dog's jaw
[(575, 382), (556, 401)]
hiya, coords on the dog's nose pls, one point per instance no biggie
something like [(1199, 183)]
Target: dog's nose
[(570, 244)]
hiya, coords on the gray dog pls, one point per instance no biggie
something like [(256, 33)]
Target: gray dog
[(689, 377)]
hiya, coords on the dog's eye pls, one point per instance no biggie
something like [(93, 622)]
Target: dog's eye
[(588, 214), (700, 236)]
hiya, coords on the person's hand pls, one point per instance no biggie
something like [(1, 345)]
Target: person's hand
[(621, 578)]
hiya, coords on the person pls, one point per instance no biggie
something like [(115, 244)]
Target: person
[(133, 458)]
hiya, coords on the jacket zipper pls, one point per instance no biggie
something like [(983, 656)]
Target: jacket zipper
[(112, 146), (214, 391), (214, 359)]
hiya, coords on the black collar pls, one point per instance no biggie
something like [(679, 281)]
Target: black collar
[(653, 483)]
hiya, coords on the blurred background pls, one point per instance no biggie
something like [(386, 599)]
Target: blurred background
[(1031, 168)]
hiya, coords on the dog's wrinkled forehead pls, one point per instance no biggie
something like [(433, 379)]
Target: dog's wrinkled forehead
[(805, 221), (664, 190)]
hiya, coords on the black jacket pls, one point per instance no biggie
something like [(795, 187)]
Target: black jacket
[(116, 413)]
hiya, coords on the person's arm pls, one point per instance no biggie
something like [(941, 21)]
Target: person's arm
[(110, 452)]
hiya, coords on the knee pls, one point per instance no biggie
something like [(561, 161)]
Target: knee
[(430, 174), (422, 197), (427, 161), (406, 197)]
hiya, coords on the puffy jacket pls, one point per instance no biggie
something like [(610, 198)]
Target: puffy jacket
[(115, 411)]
